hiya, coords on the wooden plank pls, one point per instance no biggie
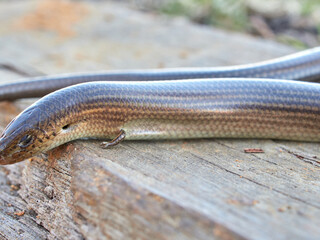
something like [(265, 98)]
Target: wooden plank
[(195, 189), (17, 221)]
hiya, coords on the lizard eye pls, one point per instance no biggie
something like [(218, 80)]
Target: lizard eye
[(25, 141)]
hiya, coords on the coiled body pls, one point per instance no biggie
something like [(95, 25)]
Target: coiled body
[(304, 66)]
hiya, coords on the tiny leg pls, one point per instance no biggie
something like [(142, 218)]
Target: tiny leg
[(119, 138)]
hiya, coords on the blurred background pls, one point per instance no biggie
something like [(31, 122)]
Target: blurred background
[(39, 37), (293, 22), (56, 36)]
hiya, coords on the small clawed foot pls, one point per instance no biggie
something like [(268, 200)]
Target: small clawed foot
[(119, 138)]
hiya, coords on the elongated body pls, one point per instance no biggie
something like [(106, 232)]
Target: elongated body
[(304, 66), (227, 108)]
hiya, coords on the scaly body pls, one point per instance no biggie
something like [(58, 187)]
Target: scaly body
[(228, 108), (304, 66)]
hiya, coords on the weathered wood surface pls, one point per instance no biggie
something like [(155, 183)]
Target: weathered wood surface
[(197, 189)]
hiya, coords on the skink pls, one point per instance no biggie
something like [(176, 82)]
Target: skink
[(194, 108), (204, 108), (304, 66)]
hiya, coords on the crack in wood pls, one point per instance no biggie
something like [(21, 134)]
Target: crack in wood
[(22, 71), (3, 236), (301, 156), (255, 182)]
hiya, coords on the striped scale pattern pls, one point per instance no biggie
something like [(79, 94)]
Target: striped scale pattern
[(304, 66), (228, 108), (202, 108)]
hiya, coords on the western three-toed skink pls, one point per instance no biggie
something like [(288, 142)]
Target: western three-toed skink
[(194, 108)]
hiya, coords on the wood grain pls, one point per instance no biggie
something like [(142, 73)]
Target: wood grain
[(197, 189)]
